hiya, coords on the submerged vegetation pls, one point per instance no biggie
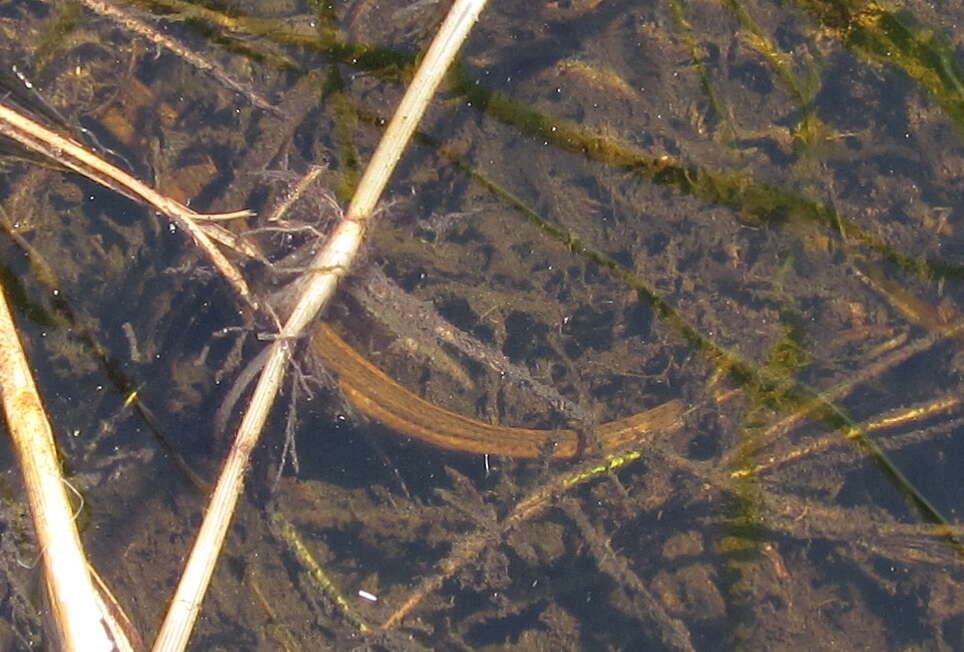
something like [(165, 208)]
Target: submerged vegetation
[(749, 209)]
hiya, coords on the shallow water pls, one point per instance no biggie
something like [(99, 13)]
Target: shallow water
[(751, 208)]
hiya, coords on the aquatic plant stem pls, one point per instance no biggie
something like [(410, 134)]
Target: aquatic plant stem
[(79, 622), (331, 263), (128, 20), (72, 155), (467, 548)]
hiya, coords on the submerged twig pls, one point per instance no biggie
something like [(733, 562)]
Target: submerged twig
[(331, 263), (468, 548), (785, 425), (285, 532), (900, 417), (129, 21), (671, 630), (414, 318)]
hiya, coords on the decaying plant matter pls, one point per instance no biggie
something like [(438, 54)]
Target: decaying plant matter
[(614, 212)]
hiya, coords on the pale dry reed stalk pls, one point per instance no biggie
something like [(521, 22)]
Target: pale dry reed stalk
[(328, 267), (79, 623)]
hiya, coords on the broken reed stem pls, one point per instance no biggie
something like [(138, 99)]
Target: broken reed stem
[(331, 263), (919, 412), (777, 431), (80, 624), (74, 156)]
